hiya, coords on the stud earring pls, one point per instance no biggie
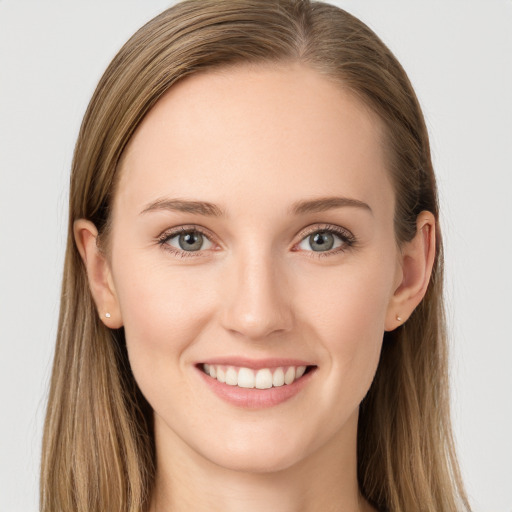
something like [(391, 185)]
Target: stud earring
[(107, 315), (399, 318)]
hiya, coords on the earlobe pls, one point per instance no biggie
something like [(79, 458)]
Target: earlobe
[(417, 260), (99, 273)]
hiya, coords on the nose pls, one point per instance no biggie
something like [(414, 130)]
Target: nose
[(257, 302)]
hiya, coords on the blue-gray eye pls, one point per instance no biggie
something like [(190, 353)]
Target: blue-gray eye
[(321, 241), (189, 241)]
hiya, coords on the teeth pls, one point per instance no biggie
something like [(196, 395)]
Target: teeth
[(231, 376), (264, 378), (245, 378), (278, 378), (289, 376), (221, 375)]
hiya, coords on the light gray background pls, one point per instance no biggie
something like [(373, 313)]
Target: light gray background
[(459, 57)]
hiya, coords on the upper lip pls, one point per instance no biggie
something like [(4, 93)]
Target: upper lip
[(255, 364)]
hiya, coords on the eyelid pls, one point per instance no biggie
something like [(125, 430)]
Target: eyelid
[(333, 228), (347, 238)]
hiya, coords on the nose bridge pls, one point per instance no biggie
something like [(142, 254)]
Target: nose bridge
[(257, 303)]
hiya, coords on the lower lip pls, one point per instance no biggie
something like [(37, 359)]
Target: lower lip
[(252, 398)]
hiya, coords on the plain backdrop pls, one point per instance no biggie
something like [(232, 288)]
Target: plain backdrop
[(458, 55)]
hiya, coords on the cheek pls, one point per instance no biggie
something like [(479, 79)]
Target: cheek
[(348, 318), (351, 299), (163, 313)]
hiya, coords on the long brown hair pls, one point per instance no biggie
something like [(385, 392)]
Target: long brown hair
[(98, 447)]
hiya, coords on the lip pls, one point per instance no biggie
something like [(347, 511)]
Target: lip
[(256, 364), (256, 398)]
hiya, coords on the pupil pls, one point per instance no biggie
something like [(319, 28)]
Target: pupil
[(322, 241), (191, 241)]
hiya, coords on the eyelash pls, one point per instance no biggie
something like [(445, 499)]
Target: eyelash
[(347, 238)]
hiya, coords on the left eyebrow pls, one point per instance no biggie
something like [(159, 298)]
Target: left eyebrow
[(181, 205), (326, 203)]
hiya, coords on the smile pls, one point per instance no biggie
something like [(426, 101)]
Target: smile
[(264, 378), (256, 385)]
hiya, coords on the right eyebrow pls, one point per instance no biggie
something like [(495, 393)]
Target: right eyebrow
[(323, 204), (183, 205)]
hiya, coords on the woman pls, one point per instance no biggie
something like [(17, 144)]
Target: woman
[(251, 312)]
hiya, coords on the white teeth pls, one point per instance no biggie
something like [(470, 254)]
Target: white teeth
[(245, 378), (278, 378), (231, 377), (289, 376), (221, 375), (264, 378)]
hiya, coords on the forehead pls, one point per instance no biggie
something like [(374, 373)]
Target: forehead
[(268, 134)]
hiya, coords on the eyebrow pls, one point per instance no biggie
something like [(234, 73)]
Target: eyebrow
[(326, 203), (182, 205), (212, 210)]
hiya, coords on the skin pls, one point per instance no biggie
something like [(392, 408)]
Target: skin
[(255, 140)]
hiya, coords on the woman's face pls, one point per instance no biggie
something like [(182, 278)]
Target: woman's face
[(253, 227)]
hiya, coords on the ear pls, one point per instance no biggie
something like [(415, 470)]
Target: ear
[(98, 273), (413, 271)]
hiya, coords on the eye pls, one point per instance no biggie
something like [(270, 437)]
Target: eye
[(186, 240), (327, 240)]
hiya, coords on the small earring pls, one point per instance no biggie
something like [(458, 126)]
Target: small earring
[(399, 318), (107, 315)]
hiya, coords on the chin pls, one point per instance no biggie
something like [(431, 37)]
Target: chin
[(271, 454), (261, 462)]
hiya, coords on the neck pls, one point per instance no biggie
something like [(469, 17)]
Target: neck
[(323, 480)]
